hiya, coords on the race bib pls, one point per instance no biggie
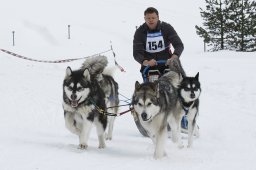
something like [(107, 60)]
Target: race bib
[(155, 42)]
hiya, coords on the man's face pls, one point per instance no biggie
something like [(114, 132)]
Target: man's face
[(151, 20)]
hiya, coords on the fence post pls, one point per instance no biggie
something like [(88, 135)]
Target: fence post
[(68, 31), (13, 43)]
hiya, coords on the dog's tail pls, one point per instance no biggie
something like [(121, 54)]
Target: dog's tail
[(110, 70), (96, 64)]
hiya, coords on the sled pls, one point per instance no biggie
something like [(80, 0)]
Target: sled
[(151, 76)]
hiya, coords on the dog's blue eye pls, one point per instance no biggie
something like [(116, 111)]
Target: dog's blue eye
[(149, 104), (139, 104)]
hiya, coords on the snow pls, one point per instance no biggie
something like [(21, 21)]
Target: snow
[(33, 135)]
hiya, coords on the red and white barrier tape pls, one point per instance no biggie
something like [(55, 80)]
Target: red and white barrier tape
[(45, 61), (62, 61), (120, 68)]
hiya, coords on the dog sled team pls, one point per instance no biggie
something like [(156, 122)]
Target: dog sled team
[(165, 104), (88, 94)]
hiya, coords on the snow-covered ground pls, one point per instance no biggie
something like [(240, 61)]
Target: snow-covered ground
[(33, 135)]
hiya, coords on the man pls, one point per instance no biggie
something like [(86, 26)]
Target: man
[(152, 41)]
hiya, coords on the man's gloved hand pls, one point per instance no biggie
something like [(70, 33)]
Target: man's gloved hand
[(151, 62)]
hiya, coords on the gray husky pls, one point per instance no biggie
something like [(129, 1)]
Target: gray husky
[(84, 101), (108, 85), (189, 92), (157, 105)]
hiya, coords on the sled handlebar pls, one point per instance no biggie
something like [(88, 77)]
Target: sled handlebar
[(147, 68)]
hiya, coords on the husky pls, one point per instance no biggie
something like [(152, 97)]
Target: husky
[(110, 88), (84, 101), (108, 85), (157, 105), (189, 92)]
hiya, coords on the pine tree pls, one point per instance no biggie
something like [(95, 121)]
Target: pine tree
[(251, 46), (203, 34), (242, 25), (215, 18)]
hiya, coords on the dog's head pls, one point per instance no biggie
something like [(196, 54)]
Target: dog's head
[(145, 100), (76, 86), (190, 88)]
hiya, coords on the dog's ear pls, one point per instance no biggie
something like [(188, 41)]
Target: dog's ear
[(68, 72), (86, 74), (137, 85), (183, 76), (197, 76)]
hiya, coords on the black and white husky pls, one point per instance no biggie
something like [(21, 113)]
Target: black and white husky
[(157, 105), (108, 85), (189, 92), (84, 101)]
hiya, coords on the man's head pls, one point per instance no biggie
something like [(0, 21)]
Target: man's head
[(151, 17)]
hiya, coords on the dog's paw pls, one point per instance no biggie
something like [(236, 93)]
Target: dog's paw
[(102, 146), (196, 132), (159, 155), (82, 146), (189, 144), (181, 146), (108, 137)]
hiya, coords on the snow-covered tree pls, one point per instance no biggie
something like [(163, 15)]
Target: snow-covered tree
[(242, 25), (215, 19), (229, 24)]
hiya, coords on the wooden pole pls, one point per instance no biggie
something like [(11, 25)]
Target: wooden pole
[(68, 31), (13, 38)]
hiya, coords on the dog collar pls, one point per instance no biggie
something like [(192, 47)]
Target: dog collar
[(186, 109)]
